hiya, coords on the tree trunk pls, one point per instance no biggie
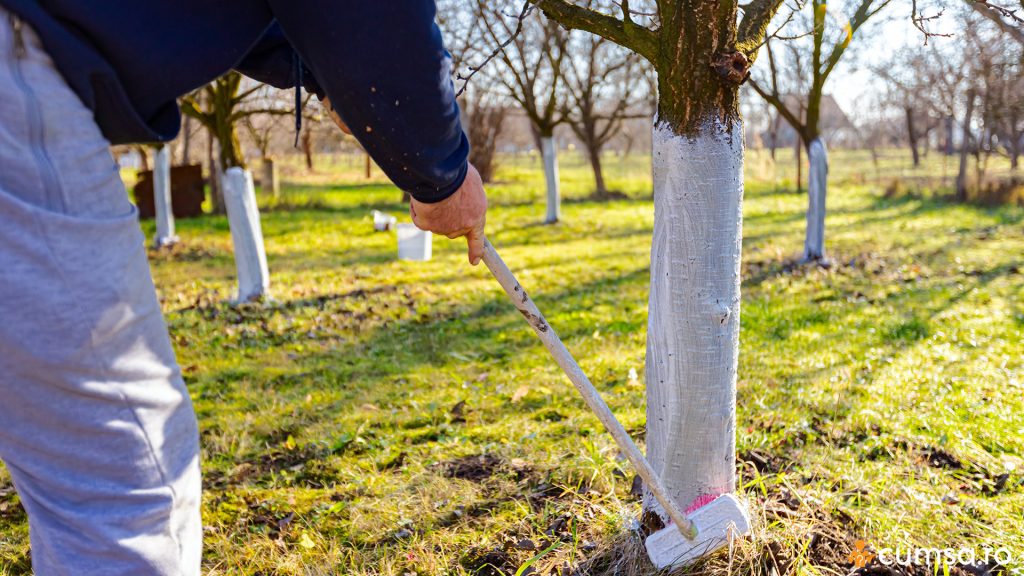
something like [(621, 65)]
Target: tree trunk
[(215, 177), (948, 148), (912, 136), (817, 187), (186, 144), (271, 178), (693, 320), (307, 148), (965, 145), (774, 133), (368, 167), (549, 154), (799, 163), (246, 235), (162, 199), (143, 157), (600, 189)]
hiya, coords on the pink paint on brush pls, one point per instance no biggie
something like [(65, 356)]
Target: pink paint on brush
[(700, 502)]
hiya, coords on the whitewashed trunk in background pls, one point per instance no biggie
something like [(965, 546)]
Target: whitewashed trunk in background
[(817, 187), (693, 322), (549, 154), (246, 234), (162, 199)]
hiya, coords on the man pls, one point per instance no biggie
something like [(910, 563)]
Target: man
[(96, 427)]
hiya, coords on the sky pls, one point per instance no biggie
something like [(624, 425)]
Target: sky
[(852, 83)]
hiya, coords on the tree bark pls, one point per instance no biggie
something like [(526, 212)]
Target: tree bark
[(549, 155), (799, 163), (246, 235), (307, 148), (215, 177), (774, 134), (162, 199), (693, 322), (271, 178), (186, 144), (817, 187), (948, 124), (965, 145), (912, 136), (600, 188), (143, 157)]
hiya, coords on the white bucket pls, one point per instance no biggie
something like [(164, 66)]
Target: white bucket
[(383, 222), (413, 243)]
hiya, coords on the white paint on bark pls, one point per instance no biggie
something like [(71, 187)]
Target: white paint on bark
[(549, 154), (246, 234), (817, 187), (693, 322), (162, 199)]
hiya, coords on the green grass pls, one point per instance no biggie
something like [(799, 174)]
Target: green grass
[(342, 424)]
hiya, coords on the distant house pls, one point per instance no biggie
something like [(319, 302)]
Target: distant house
[(836, 127)]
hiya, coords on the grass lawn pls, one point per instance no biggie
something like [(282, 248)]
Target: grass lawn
[(387, 417)]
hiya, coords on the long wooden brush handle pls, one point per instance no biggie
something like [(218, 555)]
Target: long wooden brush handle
[(590, 394)]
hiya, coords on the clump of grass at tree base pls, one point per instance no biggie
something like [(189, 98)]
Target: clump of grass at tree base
[(342, 424)]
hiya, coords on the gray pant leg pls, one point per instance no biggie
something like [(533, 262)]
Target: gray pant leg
[(96, 426)]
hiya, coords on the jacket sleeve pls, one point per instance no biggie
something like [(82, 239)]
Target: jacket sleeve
[(272, 61), (384, 66)]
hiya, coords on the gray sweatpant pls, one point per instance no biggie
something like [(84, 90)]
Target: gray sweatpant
[(96, 427)]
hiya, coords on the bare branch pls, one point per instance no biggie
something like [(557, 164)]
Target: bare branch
[(527, 8), (639, 39), (1007, 19), (776, 101), (754, 26)]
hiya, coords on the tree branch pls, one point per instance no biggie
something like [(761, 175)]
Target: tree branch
[(753, 27), (779, 105), (639, 39), (1015, 26)]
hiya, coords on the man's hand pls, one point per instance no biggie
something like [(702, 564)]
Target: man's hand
[(461, 214)]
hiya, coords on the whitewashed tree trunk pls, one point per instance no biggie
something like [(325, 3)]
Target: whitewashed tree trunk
[(693, 322), (549, 154), (162, 199), (817, 187), (246, 235)]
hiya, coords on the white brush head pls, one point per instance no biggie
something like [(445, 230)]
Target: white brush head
[(718, 523)]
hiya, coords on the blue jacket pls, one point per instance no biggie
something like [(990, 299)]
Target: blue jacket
[(381, 62)]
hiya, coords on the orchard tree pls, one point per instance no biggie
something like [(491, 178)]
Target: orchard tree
[(603, 94), (701, 52), (829, 38), (219, 107), (534, 51), (910, 92), (788, 77), (484, 108)]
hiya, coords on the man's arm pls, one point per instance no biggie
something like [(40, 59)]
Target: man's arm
[(385, 76), (385, 69), (272, 61)]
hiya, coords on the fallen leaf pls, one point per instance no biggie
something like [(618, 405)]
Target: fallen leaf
[(520, 393)]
